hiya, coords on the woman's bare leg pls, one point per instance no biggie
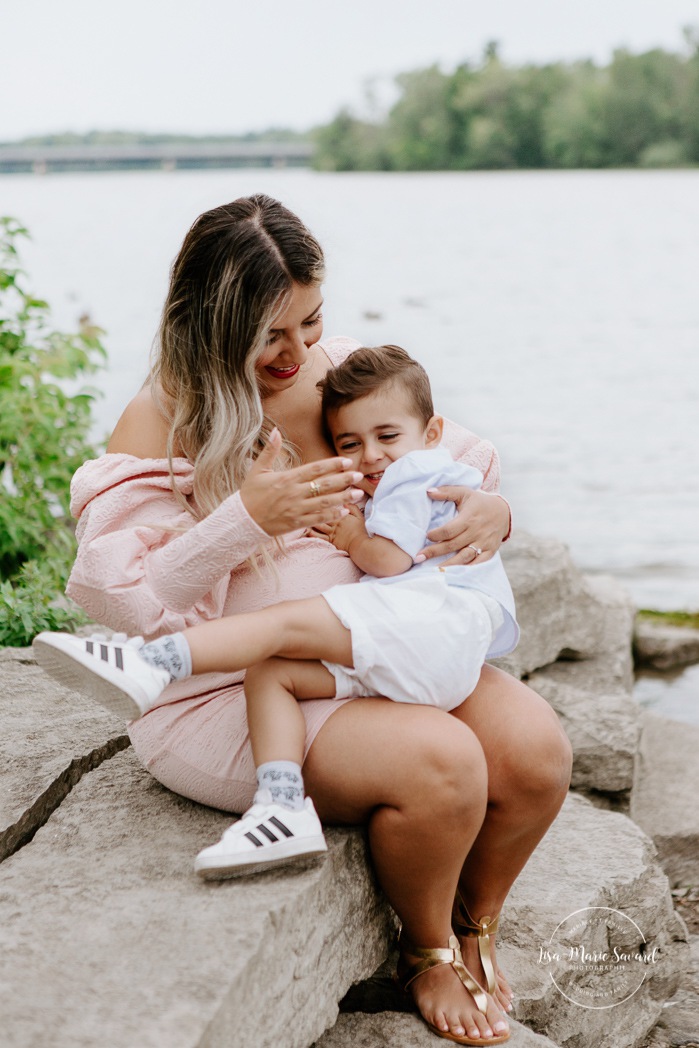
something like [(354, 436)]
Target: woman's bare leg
[(529, 763), (422, 787), (295, 629)]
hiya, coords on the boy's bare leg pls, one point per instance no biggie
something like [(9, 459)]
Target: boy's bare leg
[(295, 629), (272, 690)]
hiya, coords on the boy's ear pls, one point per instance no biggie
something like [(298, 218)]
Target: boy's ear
[(433, 431)]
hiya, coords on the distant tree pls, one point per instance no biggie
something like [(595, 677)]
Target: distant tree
[(573, 123), (350, 144), (639, 110), (421, 128)]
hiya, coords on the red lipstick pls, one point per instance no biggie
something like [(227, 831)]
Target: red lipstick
[(285, 373)]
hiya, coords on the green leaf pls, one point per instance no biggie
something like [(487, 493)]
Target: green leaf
[(44, 438)]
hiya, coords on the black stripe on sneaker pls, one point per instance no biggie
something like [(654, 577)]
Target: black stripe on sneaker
[(268, 833), (104, 653), (253, 838), (90, 647), (280, 826), (119, 658)]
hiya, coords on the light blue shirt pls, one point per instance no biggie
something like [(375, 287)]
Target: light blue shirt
[(402, 511)]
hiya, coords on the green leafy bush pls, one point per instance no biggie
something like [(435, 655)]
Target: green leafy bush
[(44, 437)]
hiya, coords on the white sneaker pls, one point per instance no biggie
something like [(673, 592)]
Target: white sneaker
[(267, 835), (109, 671)]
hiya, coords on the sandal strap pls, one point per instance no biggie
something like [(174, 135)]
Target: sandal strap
[(464, 924), (416, 960)]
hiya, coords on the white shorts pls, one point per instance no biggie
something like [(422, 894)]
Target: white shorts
[(418, 640)]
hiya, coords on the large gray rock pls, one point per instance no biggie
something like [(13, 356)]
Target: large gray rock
[(563, 612), (109, 938), (49, 739), (396, 1030), (591, 858), (600, 718), (664, 647), (679, 1023), (665, 792), (576, 653)]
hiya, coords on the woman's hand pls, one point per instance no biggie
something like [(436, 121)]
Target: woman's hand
[(297, 498), (481, 523)]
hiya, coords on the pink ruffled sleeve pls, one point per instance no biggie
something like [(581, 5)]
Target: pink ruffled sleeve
[(468, 448), (144, 565)]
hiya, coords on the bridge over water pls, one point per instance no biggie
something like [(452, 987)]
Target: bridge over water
[(163, 156)]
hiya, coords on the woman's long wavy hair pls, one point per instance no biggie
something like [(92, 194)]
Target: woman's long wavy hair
[(230, 280)]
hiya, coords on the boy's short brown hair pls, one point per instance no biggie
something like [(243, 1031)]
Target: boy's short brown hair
[(367, 370)]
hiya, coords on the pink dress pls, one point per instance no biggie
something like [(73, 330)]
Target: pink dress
[(144, 566)]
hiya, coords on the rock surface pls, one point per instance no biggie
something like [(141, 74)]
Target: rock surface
[(43, 756), (106, 927), (563, 613), (679, 1023), (576, 653), (664, 647), (665, 792), (591, 858), (599, 717), (397, 1030)]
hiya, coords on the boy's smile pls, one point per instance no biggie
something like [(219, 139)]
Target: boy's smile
[(379, 428)]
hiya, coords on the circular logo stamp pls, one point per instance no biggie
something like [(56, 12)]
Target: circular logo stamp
[(597, 957)]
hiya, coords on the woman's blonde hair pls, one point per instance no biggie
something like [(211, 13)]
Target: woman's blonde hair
[(229, 282)]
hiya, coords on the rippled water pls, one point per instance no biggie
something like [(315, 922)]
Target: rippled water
[(557, 313)]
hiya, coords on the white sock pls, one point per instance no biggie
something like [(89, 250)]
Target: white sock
[(284, 781), (169, 653)]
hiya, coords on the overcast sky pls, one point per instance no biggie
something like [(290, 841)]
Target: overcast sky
[(228, 66)]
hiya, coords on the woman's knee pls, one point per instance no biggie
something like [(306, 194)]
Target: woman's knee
[(448, 766), (529, 756), (540, 759)]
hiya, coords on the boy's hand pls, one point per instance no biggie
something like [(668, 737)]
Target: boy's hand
[(349, 528), (343, 531)]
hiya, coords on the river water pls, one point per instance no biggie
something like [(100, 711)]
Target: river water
[(557, 313)]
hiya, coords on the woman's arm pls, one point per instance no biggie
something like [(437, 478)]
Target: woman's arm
[(144, 565), (483, 517)]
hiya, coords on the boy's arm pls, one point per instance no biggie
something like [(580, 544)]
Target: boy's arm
[(372, 554)]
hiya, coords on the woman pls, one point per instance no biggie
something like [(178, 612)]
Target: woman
[(175, 526)]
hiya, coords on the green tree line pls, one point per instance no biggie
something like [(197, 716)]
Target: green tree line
[(640, 110)]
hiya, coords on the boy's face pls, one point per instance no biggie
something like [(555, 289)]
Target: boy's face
[(378, 429)]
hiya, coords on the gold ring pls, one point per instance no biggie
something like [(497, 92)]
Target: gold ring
[(315, 487)]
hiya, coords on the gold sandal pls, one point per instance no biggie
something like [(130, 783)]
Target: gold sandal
[(463, 924), (414, 961)]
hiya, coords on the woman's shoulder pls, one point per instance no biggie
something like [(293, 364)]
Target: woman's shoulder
[(142, 430), (135, 467)]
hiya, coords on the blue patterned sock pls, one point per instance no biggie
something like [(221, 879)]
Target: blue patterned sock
[(284, 781)]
